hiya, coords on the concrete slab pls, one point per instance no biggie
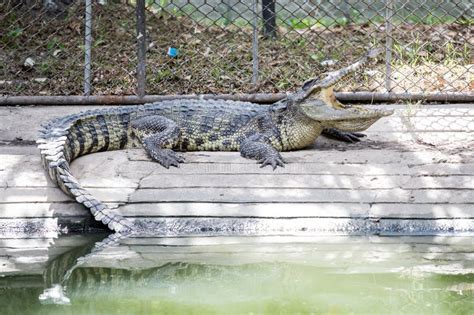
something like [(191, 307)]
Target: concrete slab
[(413, 174)]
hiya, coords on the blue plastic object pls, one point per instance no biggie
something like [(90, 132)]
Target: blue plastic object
[(173, 52)]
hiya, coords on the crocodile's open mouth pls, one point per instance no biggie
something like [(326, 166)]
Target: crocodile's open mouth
[(353, 119), (344, 117), (318, 102)]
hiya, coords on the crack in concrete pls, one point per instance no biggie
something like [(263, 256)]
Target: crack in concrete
[(139, 185)]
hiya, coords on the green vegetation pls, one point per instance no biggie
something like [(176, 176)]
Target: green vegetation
[(54, 43)]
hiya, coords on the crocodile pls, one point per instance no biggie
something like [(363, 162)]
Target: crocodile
[(166, 128)]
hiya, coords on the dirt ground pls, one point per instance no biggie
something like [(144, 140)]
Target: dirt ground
[(42, 55)]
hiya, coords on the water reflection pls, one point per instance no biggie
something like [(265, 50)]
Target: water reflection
[(361, 275)]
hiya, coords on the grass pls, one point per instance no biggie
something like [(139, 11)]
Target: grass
[(216, 56)]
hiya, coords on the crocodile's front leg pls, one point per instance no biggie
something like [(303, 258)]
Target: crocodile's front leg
[(156, 132), (258, 147)]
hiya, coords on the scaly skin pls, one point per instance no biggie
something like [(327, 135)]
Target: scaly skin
[(259, 132)]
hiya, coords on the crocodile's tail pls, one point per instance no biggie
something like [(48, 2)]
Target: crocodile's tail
[(59, 271), (64, 139)]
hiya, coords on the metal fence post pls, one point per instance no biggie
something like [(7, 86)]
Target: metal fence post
[(87, 48), (388, 44), (269, 18), (141, 48), (255, 44)]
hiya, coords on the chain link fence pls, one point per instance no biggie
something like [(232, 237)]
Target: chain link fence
[(67, 47)]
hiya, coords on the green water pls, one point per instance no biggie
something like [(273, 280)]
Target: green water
[(351, 278)]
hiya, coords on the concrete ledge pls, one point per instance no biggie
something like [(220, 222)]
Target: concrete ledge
[(413, 175)]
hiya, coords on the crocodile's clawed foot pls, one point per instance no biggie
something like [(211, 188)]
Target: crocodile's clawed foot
[(274, 161), (352, 136), (336, 134), (167, 158)]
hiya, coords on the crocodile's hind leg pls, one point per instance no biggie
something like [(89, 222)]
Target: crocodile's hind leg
[(258, 147), (337, 134), (157, 132)]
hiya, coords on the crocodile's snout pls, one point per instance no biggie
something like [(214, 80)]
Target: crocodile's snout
[(358, 118), (343, 117)]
